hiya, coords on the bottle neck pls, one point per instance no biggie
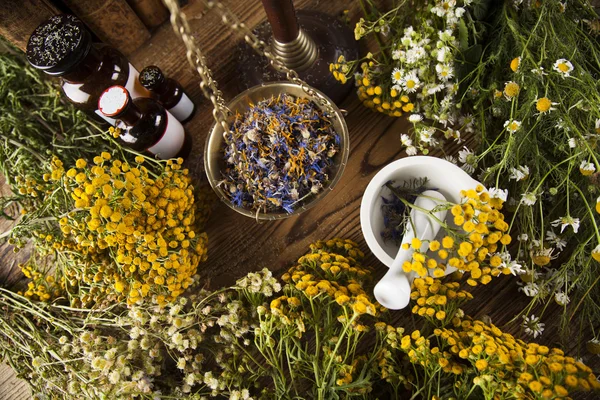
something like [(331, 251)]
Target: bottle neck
[(90, 64), (130, 115)]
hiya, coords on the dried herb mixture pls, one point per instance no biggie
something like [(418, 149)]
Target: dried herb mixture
[(279, 153)]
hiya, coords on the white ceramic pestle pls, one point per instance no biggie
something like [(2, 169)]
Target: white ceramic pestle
[(393, 290)]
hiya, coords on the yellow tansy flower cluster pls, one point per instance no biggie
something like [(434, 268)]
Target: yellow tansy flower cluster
[(515, 368), (136, 225), (389, 102), (332, 273), (43, 286), (471, 247), (340, 70), (436, 300)]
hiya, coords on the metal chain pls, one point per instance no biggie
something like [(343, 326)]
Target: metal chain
[(229, 19), (207, 83)]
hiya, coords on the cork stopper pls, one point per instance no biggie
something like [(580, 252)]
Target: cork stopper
[(113, 101), (151, 77), (58, 44)]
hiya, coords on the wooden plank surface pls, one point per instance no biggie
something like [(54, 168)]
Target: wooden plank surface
[(237, 244)]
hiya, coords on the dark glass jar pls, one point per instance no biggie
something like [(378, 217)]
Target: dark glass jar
[(62, 46), (168, 92), (145, 124)]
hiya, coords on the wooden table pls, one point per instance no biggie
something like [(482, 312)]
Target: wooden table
[(238, 245)]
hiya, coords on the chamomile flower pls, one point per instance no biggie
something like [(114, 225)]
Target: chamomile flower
[(511, 89), (444, 72), (566, 221), (515, 64), (572, 143), (469, 160), (597, 126), (496, 193), (523, 237), (561, 298), (512, 125), (563, 67), (528, 198), (556, 240), (544, 105), (451, 159), (530, 289), (396, 54), (411, 151), (533, 326), (410, 83), (596, 253), (397, 76), (520, 173), (586, 168)]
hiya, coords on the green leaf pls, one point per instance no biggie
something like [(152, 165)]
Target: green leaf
[(481, 8)]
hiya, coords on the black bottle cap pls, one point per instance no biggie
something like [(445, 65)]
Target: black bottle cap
[(58, 44), (151, 77)]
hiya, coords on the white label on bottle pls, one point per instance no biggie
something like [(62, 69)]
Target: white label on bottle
[(110, 120), (171, 141), (183, 109), (133, 84)]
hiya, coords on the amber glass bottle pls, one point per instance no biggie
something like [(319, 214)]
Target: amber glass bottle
[(168, 92), (62, 46), (145, 124)]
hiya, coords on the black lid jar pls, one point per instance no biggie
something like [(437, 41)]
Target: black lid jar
[(62, 46)]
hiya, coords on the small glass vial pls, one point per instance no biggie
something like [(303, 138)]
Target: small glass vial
[(145, 124), (168, 92), (62, 46)]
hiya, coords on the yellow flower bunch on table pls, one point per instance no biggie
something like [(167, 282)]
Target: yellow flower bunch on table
[(131, 231), (471, 246)]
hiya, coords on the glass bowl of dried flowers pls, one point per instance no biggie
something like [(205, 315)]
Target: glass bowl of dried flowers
[(283, 153)]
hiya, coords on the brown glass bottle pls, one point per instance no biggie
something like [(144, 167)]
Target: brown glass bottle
[(145, 124), (168, 92), (62, 46)]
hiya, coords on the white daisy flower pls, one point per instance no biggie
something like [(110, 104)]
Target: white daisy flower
[(533, 326), (405, 140), (410, 82), (512, 125), (528, 199), (563, 67), (523, 237), (566, 221), (444, 72), (572, 143), (397, 76), (469, 160), (530, 289), (519, 173)]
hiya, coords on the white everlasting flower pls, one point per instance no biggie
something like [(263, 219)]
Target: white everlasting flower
[(512, 125), (177, 338), (496, 193), (519, 173), (181, 363), (533, 326), (563, 67), (405, 140), (528, 199), (411, 151), (114, 377), (396, 54), (414, 118), (561, 298), (566, 221)]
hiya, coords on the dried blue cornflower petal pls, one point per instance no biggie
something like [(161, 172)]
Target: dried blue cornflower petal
[(279, 153)]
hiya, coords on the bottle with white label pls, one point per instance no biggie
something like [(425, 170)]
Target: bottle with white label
[(145, 124), (168, 92), (62, 46)]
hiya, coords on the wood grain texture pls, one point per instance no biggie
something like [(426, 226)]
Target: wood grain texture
[(238, 245), (19, 18)]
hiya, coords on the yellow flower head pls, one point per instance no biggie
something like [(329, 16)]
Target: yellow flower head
[(515, 63), (543, 105), (511, 89)]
